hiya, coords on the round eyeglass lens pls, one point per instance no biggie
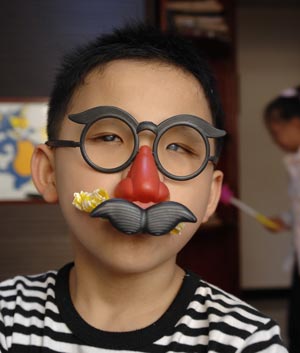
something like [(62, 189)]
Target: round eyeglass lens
[(109, 142), (181, 150)]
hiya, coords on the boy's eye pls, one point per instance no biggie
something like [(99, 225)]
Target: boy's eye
[(110, 138), (106, 138), (179, 148)]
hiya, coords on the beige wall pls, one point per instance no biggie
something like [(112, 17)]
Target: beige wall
[(268, 60)]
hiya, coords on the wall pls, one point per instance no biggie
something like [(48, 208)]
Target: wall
[(269, 61), (33, 36)]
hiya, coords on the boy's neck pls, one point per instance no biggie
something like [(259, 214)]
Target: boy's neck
[(121, 302)]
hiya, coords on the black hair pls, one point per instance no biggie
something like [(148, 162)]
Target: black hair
[(284, 107), (137, 41)]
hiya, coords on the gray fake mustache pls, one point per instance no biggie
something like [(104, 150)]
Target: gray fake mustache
[(129, 218)]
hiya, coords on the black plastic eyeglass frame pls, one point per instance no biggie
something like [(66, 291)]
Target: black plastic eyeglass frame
[(92, 115)]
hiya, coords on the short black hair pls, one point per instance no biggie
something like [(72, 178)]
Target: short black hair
[(284, 107), (135, 41)]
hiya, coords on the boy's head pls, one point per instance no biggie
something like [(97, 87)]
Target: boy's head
[(282, 118), (131, 103), (138, 42)]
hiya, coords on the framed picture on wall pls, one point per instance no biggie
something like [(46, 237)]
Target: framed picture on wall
[(22, 126)]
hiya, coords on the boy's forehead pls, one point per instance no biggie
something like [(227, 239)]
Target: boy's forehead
[(150, 70), (148, 90)]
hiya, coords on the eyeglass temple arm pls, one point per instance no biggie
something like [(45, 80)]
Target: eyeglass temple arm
[(62, 143)]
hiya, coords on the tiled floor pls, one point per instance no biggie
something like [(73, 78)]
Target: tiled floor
[(276, 308)]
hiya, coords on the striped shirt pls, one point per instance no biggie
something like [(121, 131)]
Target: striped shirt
[(37, 315)]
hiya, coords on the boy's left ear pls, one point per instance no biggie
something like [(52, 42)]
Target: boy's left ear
[(43, 172), (215, 193)]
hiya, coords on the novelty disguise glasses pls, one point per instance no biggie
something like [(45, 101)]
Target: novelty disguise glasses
[(109, 141)]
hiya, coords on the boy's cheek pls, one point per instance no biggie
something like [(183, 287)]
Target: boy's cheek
[(87, 183)]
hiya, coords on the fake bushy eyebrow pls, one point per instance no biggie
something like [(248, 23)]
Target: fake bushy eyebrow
[(92, 114), (195, 122), (89, 116)]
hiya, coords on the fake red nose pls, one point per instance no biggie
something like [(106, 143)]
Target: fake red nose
[(142, 182)]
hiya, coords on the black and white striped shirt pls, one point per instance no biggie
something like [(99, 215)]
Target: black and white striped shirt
[(37, 315)]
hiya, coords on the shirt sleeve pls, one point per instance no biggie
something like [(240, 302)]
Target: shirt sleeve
[(266, 339), (3, 342)]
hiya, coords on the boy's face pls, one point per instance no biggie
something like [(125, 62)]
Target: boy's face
[(149, 92)]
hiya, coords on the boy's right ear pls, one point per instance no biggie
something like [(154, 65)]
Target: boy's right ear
[(43, 172)]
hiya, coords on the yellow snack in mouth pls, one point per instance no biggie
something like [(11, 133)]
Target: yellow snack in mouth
[(177, 230), (87, 201)]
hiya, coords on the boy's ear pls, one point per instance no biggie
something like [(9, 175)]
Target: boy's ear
[(215, 193), (43, 172)]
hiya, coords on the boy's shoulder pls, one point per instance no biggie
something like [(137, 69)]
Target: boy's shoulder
[(19, 291), (38, 281), (226, 321), (210, 298)]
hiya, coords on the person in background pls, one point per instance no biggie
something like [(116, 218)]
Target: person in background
[(134, 134), (282, 119)]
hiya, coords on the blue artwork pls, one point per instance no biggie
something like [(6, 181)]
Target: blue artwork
[(22, 126)]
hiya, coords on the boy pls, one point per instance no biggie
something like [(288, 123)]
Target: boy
[(131, 134)]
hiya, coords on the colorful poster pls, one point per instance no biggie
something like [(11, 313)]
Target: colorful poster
[(22, 126)]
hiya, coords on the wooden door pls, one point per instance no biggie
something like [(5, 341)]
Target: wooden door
[(213, 251)]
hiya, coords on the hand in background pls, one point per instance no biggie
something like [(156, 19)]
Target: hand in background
[(281, 226)]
